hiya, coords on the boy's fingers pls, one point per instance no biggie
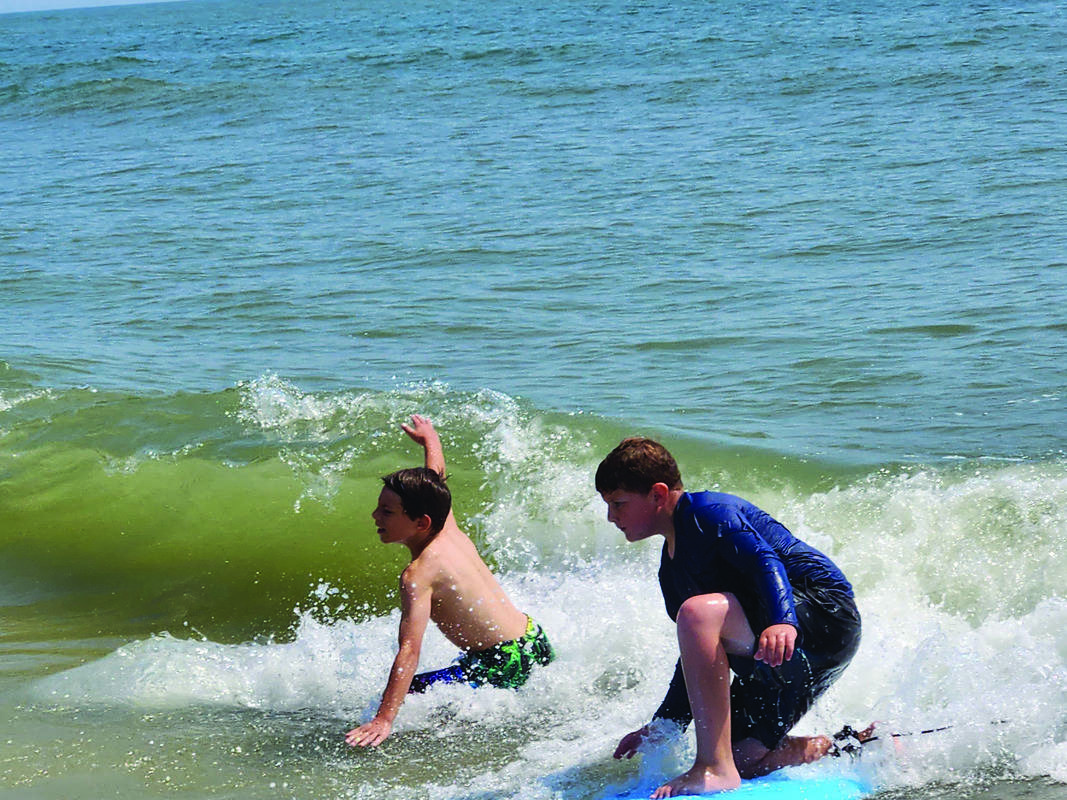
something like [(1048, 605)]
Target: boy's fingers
[(775, 648), (630, 743), (763, 652), (363, 738)]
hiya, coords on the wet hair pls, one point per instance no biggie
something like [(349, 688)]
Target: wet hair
[(422, 491), (635, 465)]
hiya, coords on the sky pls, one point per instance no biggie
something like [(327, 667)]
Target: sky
[(48, 5)]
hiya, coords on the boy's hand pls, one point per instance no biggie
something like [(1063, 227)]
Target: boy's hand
[(372, 734), (631, 742), (776, 644), (422, 431)]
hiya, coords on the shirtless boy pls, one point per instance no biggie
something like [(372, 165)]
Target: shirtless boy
[(747, 596), (446, 582)]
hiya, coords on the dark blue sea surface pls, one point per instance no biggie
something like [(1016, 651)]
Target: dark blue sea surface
[(832, 230)]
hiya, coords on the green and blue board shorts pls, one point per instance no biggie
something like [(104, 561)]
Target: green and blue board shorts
[(506, 665)]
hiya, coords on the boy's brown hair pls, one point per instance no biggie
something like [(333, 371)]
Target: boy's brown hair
[(421, 491), (635, 465)]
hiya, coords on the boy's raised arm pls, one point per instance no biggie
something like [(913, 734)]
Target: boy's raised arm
[(423, 432)]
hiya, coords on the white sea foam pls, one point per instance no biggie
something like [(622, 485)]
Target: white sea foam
[(1001, 688), (9, 400)]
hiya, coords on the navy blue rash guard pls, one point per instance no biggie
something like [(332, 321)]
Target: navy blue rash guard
[(723, 543)]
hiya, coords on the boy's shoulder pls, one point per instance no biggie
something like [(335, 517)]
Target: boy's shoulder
[(421, 570), (720, 504), (715, 499), (715, 512), (439, 558)]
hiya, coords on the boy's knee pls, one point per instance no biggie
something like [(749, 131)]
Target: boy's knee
[(703, 610)]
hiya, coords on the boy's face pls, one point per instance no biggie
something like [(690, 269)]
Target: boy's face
[(389, 517), (633, 513)]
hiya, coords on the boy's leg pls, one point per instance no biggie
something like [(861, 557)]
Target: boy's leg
[(709, 627), (768, 702)]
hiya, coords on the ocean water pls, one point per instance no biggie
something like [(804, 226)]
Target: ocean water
[(817, 248)]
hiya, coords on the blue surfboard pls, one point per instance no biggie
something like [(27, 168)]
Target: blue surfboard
[(783, 785)]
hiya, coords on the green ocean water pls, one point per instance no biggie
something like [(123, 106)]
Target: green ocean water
[(816, 249)]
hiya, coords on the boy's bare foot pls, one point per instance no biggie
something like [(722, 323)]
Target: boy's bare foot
[(790, 752), (698, 780), (805, 749)]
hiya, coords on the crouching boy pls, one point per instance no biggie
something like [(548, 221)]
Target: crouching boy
[(747, 596), (446, 582)]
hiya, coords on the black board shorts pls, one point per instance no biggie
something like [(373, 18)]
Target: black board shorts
[(766, 702)]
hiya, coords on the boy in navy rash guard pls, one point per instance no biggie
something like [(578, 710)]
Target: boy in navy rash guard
[(747, 596)]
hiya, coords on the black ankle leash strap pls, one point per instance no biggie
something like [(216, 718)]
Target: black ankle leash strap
[(847, 740)]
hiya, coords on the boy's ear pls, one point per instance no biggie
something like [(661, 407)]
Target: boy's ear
[(660, 492), (423, 523)]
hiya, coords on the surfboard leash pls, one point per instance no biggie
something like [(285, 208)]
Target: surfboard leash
[(849, 741)]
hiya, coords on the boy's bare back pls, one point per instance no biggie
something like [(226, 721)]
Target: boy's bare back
[(467, 602)]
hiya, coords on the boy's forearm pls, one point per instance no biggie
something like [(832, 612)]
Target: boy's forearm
[(435, 456), (396, 689)]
